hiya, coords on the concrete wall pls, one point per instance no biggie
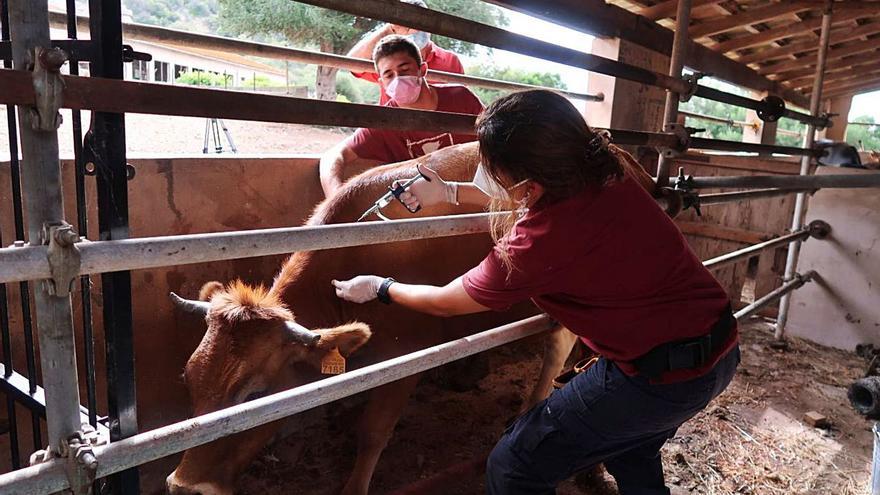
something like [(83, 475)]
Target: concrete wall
[(842, 308)]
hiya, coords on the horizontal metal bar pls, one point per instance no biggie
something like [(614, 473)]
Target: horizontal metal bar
[(449, 25), (75, 49), (797, 182), (18, 387), (30, 263), (748, 252), (742, 101), (732, 197), (712, 118), (49, 477), (107, 95), (797, 282), (155, 34), (740, 147)]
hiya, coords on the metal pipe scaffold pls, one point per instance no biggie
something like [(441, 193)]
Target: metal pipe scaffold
[(797, 182), (785, 289), (444, 24), (155, 34), (800, 200), (676, 64), (49, 476), (733, 197)]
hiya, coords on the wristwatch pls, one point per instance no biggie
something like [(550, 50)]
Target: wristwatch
[(382, 293)]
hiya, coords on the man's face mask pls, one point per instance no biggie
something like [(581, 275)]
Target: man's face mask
[(491, 187), (420, 39), (404, 89)]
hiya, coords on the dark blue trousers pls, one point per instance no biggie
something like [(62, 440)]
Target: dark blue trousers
[(601, 416)]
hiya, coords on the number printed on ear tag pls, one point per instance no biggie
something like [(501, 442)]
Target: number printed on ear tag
[(333, 363)]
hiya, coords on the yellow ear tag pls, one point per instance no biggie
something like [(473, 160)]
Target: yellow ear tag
[(333, 363)]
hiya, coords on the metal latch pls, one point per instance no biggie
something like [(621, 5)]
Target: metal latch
[(684, 139), (63, 255), (689, 197), (693, 81), (78, 449), (48, 88)]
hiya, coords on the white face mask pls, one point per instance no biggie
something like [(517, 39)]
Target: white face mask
[(491, 187)]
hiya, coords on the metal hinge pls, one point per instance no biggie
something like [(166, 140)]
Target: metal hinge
[(63, 255), (48, 88)]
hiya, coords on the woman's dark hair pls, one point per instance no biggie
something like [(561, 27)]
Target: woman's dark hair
[(539, 135)]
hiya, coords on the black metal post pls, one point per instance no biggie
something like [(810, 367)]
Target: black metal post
[(106, 149)]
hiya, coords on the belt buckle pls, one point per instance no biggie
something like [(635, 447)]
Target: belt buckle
[(689, 354)]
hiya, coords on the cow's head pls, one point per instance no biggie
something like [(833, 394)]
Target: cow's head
[(253, 347)]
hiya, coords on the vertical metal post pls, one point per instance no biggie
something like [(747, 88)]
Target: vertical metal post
[(106, 149), (41, 181), (676, 64), (797, 222)]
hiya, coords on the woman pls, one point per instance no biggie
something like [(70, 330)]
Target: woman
[(593, 250)]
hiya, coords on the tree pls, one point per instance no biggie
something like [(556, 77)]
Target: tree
[(864, 137), (331, 31), (548, 79)]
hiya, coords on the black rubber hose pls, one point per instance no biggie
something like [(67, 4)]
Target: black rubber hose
[(864, 395)]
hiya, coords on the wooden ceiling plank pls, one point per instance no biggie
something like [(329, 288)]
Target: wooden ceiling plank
[(796, 29), (867, 77), (867, 87), (832, 66), (724, 23), (836, 79), (837, 36), (668, 8), (808, 60)]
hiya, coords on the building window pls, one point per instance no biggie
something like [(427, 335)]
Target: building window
[(179, 70), (160, 71), (140, 70)]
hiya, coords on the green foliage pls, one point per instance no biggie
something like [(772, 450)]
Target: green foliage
[(174, 13), (548, 79), (477, 11), (202, 78), (863, 136), (715, 130), (347, 88), (261, 82), (787, 139)]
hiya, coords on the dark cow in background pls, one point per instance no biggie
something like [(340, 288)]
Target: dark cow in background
[(248, 352)]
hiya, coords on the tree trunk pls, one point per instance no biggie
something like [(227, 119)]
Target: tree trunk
[(325, 83)]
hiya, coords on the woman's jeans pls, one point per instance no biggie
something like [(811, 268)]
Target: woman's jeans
[(601, 416)]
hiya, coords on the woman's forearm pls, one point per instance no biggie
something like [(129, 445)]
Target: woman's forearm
[(469, 194), (449, 300)]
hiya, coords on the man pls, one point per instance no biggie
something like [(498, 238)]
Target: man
[(437, 58), (402, 75)]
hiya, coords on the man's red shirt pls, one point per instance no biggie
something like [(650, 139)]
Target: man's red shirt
[(437, 59), (610, 266), (390, 146)]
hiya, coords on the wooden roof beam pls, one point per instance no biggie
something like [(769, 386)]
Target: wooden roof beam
[(836, 78), (866, 87), (808, 60), (838, 36), (724, 23), (795, 29), (867, 77), (613, 21), (850, 63), (667, 9)]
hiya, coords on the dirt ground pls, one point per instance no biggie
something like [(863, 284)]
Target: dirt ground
[(751, 440), (157, 134)]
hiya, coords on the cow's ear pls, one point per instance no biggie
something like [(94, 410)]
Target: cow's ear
[(209, 289), (347, 338)]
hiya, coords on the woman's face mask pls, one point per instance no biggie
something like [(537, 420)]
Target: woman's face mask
[(404, 89), (420, 39), (491, 187)]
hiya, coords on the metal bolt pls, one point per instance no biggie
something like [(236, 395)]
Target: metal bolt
[(66, 236), (86, 457), (53, 59), (18, 244), (819, 229)]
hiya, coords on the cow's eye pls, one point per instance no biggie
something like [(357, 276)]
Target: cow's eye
[(255, 395)]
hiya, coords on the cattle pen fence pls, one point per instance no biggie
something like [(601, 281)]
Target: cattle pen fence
[(58, 255)]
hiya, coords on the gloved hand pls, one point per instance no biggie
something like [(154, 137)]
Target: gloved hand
[(424, 193), (361, 289)]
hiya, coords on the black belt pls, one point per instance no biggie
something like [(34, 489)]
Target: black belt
[(686, 354)]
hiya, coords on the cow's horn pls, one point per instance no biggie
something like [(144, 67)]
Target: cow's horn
[(302, 334), (188, 305)]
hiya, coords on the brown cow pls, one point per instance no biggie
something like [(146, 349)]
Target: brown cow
[(246, 351)]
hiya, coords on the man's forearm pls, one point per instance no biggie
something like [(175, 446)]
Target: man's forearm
[(364, 47), (330, 170)]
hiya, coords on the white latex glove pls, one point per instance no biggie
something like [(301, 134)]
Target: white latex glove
[(424, 193), (361, 289)]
